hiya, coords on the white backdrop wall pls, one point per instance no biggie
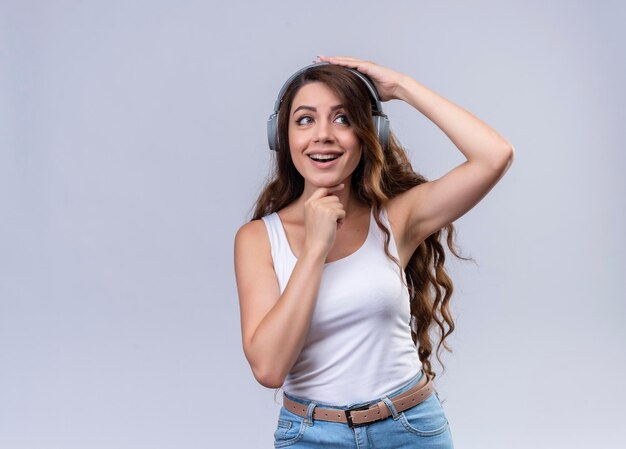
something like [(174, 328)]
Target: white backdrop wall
[(132, 148)]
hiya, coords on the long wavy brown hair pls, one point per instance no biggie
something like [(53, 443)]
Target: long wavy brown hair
[(381, 174)]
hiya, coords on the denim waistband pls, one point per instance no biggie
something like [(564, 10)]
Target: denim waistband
[(393, 394)]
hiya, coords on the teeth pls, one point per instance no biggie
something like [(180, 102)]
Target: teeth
[(324, 156)]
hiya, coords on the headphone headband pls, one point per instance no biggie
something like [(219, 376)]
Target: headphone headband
[(380, 119)]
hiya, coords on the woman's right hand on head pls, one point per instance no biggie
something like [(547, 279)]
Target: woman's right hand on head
[(322, 214)]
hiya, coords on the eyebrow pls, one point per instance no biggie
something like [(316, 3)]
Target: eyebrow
[(311, 108)]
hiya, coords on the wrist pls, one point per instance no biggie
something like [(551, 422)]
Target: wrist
[(314, 254), (402, 89)]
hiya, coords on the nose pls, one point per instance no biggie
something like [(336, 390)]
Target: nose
[(323, 131)]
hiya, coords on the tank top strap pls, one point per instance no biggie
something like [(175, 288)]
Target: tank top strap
[(385, 219), (393, 248), (283, 258), (278, 239), (383, 214)]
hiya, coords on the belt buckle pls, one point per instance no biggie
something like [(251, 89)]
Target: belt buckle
[(351, 424)]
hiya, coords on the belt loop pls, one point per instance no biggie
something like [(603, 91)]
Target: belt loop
[(308, 419), (391, 407)]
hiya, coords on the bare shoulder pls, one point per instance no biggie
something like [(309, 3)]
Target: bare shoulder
[(252, 236), (252, 250)]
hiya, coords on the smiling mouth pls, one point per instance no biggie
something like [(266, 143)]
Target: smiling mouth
[(325, 160)]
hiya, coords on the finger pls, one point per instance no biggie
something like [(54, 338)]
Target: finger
[(324, 191), (335, 188), (360, 65), (334, 205), (346, 59), (330, 196), (331, 200), (342, 59), (352, 58)]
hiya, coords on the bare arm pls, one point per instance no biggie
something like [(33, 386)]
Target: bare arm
[(274, 326), (434, 204)]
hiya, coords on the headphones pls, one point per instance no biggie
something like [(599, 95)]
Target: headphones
[(380, 119)]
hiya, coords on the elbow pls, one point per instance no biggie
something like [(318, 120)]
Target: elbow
[(266, 376), (263, 372), (504, 160), (268, 379), (509, 157), (261, 369)]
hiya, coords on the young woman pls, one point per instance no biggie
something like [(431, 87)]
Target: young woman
[(340, 271)]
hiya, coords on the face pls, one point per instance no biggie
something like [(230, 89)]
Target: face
[(319, 127)]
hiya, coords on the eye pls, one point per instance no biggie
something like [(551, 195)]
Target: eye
[(308, 117), (299, 121)]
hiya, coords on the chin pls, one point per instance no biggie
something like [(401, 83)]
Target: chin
[(332, 183)]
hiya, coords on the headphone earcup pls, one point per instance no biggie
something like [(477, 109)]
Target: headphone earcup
[(272, 131), (381, 125)]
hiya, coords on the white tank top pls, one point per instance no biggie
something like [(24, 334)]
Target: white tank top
[(359, 345)]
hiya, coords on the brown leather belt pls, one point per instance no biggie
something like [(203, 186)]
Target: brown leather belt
[(359, 416)]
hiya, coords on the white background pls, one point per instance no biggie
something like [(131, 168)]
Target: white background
[(132, 148)]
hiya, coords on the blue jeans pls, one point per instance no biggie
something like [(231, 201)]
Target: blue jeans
[(422, 426)]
